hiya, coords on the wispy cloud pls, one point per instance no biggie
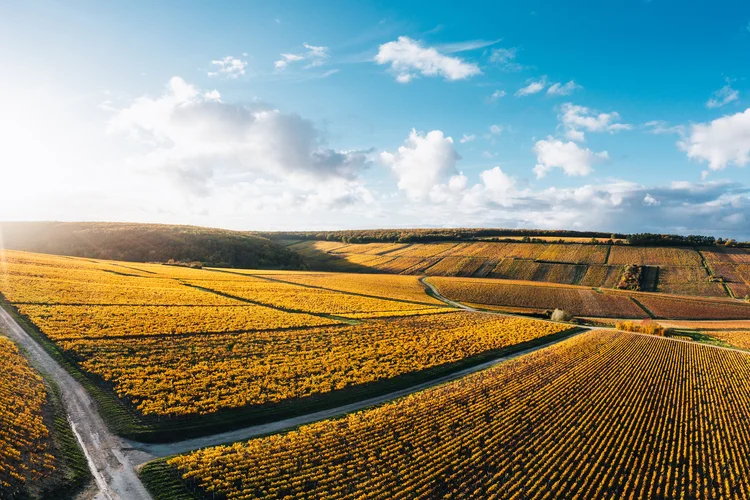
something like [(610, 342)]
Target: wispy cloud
[(723, 96), (534, 87), (563, 89), (452, 48), (314, 55), (409, 58), (575, 119), (229, 67), (505, 59)]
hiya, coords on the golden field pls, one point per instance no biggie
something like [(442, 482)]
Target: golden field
[(601, 415)]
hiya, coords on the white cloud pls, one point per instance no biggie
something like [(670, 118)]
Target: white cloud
[(533, 87), (563, 89), (723, 96), (452, 48), (658, 127), (315, 56), (467, 138), (498, 94), (202, 142), (568, 156), (506, 59), (497, 183), (496, 129), (230, 67), (409, 58), (574, 118), (721, 142), (424, 161), (650, 200)]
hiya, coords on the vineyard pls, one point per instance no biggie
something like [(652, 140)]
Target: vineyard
[(581, 301), (171, 343), (598, 416), (182, 377), (705, 272), (25, 444), (39, 456)]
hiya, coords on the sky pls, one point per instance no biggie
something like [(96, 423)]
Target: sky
[(622, 116)]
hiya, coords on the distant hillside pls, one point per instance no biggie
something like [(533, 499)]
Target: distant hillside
[(473, 234), (148, 243)]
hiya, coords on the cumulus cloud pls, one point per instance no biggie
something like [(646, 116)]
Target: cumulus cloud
[(202, 141), (467, 138), (563, 89), (723, 96), (721, 142), (424, 161), (409, 58), (571, 158), (533, 87), (314, 55), (650, 200), (229, 67), (575, 119)]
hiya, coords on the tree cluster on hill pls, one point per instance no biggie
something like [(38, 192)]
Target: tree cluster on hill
[(149, 243), (429, 235), (527, 235)]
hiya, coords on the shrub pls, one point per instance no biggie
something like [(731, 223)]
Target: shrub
[(560, 315), (647, 326)]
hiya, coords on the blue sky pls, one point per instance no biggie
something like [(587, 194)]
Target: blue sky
[(323, 115)]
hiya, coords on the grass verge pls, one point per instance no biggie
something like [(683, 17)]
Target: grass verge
[(164, 482)]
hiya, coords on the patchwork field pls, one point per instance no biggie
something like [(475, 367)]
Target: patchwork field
[(173, 345), (605, 414), (710, 272)]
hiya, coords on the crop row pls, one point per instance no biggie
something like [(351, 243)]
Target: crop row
[(603, 415)]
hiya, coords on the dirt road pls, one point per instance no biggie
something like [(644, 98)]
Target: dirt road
[(110, 458)]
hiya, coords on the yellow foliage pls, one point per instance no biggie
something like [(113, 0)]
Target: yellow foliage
[(602, 415), (24, 438), (206, 373)]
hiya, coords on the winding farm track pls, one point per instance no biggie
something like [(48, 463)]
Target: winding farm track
[(113, 460), (110, 458)]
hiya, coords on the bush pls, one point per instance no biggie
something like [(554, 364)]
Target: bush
[(646, 326), (560, 315)]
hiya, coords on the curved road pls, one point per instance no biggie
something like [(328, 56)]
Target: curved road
[(110, 458)]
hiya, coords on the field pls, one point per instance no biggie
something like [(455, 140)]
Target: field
[(581, 301), (739, 338), (602, 415), (39, 457), (679, 271), (179, 348), (576, 300), (181, 377)]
